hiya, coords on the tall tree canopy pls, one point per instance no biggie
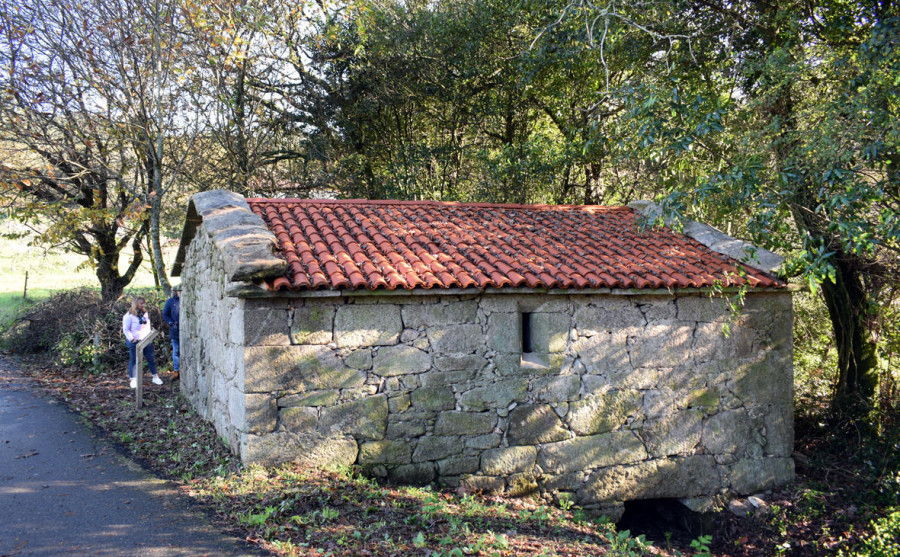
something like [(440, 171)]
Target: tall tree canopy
[(66, 160), (777, 120), (94, 125), (808, 154)]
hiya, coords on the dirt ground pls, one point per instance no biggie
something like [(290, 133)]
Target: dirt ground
[(844, 480)]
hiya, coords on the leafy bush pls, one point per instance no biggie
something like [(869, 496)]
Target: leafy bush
[(888, 334), (72, 352), (815, 357), (82, 330), (884, 540)]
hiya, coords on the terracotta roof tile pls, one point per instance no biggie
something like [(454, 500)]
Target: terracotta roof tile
[(359, 244)]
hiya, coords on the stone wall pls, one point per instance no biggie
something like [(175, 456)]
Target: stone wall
[(212, 340), (623, 397)]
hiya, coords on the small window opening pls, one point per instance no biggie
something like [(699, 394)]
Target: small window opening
[(527, 346)]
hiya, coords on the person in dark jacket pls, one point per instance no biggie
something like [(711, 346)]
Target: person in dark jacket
[(172, 315)]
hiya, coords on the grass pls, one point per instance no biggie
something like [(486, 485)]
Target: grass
[(12, 304), (339, 512), (50, 270)]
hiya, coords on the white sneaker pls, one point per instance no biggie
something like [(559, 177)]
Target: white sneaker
[(157, 380), (133, 383)]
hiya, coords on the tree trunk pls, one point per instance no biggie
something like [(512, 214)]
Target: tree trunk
[(847, 304), (155, 274), (156, 158), (159, 264), (593, 188), (111, 289), (241, 180), (106, 258)]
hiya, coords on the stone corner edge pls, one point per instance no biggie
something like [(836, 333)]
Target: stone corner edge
[(248, 247)]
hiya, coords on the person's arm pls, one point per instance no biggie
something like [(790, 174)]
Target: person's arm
[(167, 312), (127, 322)]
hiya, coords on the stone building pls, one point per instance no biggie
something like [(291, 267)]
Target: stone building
[(567, 351)]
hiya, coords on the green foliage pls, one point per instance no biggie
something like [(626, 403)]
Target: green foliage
[(455, 101), (125, 437), (887, 329), (621, 544), (255, 520), (802, 157), (291, 506), (815, 357), (777, 126), (84, 353), (11, 306), (419, 540), (701, 546), (884, 540), (811, 505), (329, 514)]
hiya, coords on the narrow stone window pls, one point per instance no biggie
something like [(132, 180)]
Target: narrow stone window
[(527, 345), (531, 357)]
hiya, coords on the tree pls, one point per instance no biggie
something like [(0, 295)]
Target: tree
[(235, 45), (156, 69), (806, 150), (457, 100), (436, 100), (103, 82), (68, 168), (820, 88)]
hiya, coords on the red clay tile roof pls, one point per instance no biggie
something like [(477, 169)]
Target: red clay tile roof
[(359, 244)]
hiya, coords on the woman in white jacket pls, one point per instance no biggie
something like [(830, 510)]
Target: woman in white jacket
[(136, 326)]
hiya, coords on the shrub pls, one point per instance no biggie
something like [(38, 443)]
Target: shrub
[(884, 541), (82, 330)]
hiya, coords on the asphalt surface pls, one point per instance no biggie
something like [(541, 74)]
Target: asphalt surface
[(65, 491)]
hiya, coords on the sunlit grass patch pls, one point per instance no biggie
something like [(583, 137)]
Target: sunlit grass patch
[(13, 303), (294, 509), (50, 269)]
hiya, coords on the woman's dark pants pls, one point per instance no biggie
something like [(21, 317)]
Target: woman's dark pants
[(149, 356)]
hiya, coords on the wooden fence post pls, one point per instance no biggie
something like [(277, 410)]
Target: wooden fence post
[(139, 363)]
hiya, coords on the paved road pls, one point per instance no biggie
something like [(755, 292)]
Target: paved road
[(64, 491)]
